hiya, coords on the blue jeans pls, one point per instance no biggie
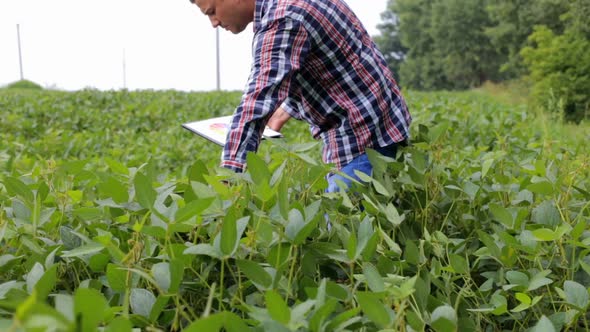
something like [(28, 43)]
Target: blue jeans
[(360, 163)]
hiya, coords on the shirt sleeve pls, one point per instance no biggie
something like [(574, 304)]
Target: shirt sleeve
[(280, 49), (292, 107)]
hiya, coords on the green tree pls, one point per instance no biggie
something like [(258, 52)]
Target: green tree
[(447, 47), (512, 21), (559, 64), (412, 21), (390, 44), (460, 42), (577, 19), (420, 69)]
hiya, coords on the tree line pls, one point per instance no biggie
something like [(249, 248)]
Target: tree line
[(460, 44)]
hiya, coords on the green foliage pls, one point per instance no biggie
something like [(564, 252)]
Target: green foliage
[(112, 217), (24, 84), (559, 62), (512, 22), (577, 19), (461, 44), (417, 70), (443, 42), (468, 58), (559, 67), (390, 44)]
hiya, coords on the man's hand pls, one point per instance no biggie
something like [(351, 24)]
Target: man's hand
[(278, 119)]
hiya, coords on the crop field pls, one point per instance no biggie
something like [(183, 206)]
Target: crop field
[(114, 218)]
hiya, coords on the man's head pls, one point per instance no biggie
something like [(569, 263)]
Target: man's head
[(232, 15)]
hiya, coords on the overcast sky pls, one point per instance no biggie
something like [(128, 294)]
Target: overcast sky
[(166, 44)]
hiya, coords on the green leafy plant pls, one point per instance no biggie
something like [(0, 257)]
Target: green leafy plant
[(481, 224)]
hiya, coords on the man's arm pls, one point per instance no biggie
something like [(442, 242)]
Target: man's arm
[(279, 51), (278, 119)]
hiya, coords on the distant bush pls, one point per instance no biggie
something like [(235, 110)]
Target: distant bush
[(24, 84), (559, 66)]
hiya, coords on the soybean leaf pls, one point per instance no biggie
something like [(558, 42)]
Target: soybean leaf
[(47, 282), (203, 249), (117, 277), (278, 255), (351, 247), (277, 308), (98, 262), (161, 273), (295, 225), (257, 169), (545, 234), (176, 274), (229, 234), (142, 301), (444, 318), (544, 325), (459, 264), (300, 311), (116, 166), (283, 197), (517, 278), (546, 214), (111, 187), (197, 170), (485, 167), (255, 273), (539, 280), (374, 309), (90, 306), (64, 303), (34, 276), (214, 323), (499, 304), (576, 295), (192, 209), (17, 188), (69, 239), (120, 324), (392, 215), (365, 232), (321, 314), (525, 302), (344, 319), (158, 307), (233, 323), (502, 215), (544, 188), (144, 192), (201, 190), (373, 278), (88, 213), (304, 233)]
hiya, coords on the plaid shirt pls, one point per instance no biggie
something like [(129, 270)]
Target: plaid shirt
[(316, 59)]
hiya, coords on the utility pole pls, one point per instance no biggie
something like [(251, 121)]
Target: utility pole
[(20, 57), (217, 56)]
